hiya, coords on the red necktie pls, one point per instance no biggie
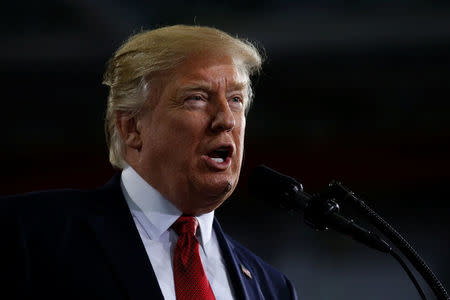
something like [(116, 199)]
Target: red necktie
[(189, 275)]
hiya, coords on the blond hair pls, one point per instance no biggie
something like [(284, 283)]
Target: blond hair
[(129, 71)]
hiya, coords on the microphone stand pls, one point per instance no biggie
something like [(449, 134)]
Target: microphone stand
[(338, 191), (322, 212)]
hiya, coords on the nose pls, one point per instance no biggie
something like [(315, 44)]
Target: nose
[(223, 118)]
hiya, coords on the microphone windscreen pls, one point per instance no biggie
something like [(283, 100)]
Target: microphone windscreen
[(269, 184)]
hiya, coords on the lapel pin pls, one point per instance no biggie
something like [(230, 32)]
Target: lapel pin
[(246, 272)]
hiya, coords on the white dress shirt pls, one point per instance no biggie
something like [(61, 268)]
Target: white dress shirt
[(153, 216)]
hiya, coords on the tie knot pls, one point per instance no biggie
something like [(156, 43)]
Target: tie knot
[(185, 224)]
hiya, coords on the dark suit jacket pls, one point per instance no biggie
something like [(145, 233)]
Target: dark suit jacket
[(74, 244)]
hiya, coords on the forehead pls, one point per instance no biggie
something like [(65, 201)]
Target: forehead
[(209, 72)]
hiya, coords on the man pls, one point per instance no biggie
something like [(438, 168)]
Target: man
[(175, 124)]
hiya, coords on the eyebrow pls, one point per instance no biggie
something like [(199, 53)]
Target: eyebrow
[(207, 86)]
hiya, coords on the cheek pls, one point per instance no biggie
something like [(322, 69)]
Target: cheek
[(190, 128), (165, 138), (240, 134), (185, 134), (241, 129)]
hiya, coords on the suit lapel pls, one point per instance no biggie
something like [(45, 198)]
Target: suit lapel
[(115, 230), (245, 287), (119, 238)]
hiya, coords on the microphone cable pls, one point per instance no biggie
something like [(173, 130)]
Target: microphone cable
[(410, 274)]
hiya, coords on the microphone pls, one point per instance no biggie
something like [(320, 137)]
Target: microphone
[(267, 183), (319, 211)]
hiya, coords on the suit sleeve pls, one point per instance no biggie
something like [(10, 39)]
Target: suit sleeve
[(291, 290), (14, 258)]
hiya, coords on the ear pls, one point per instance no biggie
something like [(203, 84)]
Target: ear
[(129, 130)]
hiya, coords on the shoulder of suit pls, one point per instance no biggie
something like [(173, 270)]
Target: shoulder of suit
[(68, 201)]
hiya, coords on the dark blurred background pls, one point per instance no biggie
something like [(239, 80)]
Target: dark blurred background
[(354, 91)]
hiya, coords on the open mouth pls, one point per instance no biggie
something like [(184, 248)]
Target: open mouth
[(221, 154)]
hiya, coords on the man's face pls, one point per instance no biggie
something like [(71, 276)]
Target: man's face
[(193, 133)]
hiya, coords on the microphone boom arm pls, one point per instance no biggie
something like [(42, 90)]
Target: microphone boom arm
[(339, 191)]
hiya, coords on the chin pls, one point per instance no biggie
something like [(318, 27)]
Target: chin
[(208, 198), (217, 187)]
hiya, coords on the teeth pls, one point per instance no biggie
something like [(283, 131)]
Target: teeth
[(217, 159)]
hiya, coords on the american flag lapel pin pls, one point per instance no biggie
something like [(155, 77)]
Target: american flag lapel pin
[(246, 272)]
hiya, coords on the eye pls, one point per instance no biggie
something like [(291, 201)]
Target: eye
[(195, 101), (195, 98), (236, 102)]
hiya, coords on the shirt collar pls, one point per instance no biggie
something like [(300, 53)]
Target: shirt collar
[(205, 222), (145, 200)]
